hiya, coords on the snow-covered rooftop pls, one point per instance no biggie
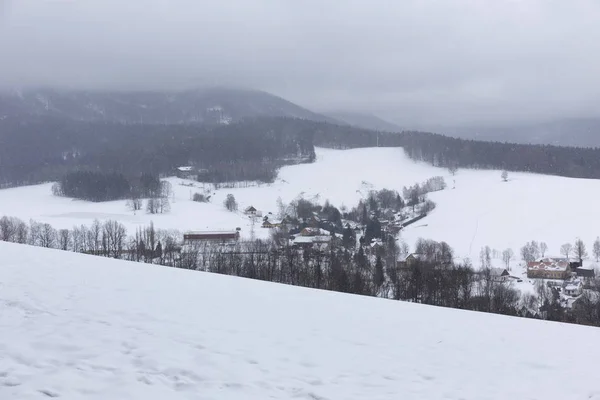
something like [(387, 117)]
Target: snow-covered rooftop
[(311, 239), (548, 265), (229, 232)]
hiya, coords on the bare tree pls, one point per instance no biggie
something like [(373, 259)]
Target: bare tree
[(230, 203), (528, 252), (34, 232), (134, 204), (566, 249), (485, 256), (504, 175), (114, 235), (8, 229), (164, 205), (252, 227), (280, 237), (596, 249), (543, 248), (22, 232), (77, 239), (281, 208), (507, 255), (535, 249), (166, 189), (47, 236), (580, 249), (404, 248), (94, 234), (64, 239), (152, 206), (57, 189)]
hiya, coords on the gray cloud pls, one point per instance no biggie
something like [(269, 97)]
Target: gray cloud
[(413, 61)]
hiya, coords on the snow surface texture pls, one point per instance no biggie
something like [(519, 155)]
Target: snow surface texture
[(81, 327), (482, 210)]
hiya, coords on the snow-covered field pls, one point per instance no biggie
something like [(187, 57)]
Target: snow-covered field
[(481, 210), (79, 327)]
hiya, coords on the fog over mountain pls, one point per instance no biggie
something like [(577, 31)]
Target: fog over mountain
[(213, 106), (451, 63), (367, 121)]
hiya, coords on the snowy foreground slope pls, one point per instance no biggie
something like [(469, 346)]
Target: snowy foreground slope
[(79, 327)]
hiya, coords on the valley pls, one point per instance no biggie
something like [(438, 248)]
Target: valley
[(477, 209)]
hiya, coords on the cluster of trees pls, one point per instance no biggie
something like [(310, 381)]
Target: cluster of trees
[(230, 203), (416, 193), (380, 204), (107, 186), (107, 239), (533, 250), (93, 186)]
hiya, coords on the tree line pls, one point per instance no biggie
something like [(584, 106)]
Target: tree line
[(453, 153)]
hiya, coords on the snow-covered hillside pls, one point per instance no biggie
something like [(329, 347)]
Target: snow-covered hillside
[(481, 210), (343, 177), (78, 327)]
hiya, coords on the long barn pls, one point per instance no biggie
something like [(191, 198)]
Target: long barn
[(211, 236)]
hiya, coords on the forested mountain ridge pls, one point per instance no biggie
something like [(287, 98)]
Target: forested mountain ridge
[(34, 150), (44, 148), (201, 106)]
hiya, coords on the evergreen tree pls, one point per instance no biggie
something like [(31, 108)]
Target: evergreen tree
[(158, 253), (348, 239), (373, 230), (378, 277), (364, 217)]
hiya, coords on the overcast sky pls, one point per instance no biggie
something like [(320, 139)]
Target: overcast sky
[(445, 61)]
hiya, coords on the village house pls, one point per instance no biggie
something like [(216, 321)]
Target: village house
[(409, 260), (222, 237), (549, 268), (573, 287), (186, 172), (499, 274), (376, 243), (314, 232), (588, 274), (269, 222), (304, 242), (251, 211)]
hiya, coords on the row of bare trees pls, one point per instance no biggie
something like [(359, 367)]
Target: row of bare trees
[(534, 250), (433, 278), (108, 239)]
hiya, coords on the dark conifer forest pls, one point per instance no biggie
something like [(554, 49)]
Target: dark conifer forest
[(41, 149)]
